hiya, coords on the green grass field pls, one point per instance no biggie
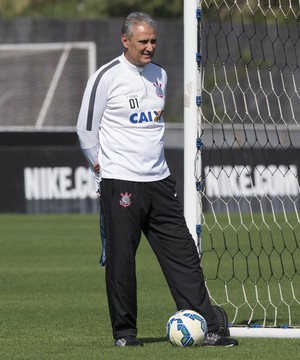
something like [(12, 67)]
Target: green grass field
[(53, 302)]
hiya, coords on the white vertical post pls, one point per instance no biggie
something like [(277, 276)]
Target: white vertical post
[(54, 83), (92, 60), (190, 114)]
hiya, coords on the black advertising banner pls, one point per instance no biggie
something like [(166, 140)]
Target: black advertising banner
[(46, 179), (47, 173), (39, 177), (260, 177)]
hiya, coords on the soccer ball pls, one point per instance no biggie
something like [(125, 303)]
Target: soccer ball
[(186, 328)]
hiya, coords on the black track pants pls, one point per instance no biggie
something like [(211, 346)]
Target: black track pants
[(130, 208)]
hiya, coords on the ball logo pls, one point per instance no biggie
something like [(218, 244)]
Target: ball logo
[(125, 199)]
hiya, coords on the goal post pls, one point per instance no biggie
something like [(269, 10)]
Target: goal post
[(242, 158), (192, 81)]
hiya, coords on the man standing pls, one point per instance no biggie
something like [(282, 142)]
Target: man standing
[(121, 133)]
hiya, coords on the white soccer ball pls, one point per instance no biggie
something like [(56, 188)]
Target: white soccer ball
[(186, 328)]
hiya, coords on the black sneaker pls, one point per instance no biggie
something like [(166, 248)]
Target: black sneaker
[(128, 341), (214, 339)]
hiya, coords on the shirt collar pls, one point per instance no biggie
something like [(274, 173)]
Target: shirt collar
[(132, 67)]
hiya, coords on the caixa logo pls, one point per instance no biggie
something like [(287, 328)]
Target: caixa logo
[(146, 116), (45, 183)]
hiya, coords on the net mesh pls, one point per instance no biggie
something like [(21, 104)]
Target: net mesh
[(250, 154), (41, 85)]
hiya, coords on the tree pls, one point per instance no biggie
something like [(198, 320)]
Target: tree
[(89, 8)]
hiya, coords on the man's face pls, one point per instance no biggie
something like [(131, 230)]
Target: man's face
[(140, 48)]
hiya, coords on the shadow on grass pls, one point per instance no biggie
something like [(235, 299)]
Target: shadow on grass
[(154, 340)]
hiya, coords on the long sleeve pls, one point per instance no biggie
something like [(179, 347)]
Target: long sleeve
[(89, 119)]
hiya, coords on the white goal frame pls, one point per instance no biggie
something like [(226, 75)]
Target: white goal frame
[(65, 47), (192, 162)]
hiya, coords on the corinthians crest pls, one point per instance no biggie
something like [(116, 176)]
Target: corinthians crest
[(125, 199), (159, 90)]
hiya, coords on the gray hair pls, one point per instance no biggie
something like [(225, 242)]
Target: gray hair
[(135, 18)]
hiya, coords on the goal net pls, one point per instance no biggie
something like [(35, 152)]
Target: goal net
[(246, 162), (41, 84)]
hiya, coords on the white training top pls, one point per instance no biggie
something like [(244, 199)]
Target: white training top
[(121, 121)]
